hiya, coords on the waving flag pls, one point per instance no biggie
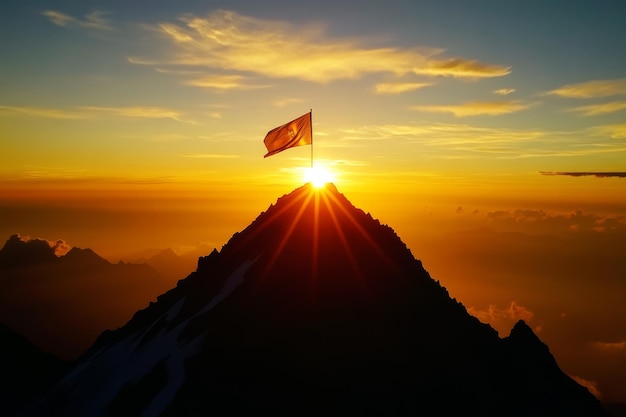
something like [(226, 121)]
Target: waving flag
[(295, 133)]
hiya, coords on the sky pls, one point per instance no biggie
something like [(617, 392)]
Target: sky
[(489, 134)]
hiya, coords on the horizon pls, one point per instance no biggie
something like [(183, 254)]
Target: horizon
[(490, 137)]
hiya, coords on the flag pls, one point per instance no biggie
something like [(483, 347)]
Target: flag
[(297, 132)]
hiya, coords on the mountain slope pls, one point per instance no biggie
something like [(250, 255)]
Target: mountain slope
[(315, 308)]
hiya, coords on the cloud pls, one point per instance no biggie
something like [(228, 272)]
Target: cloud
[(445, 132), (603, 108), (224, 82), (592, 89), (615, 131), (139, 112), (476, 108), (503, 319), (143, 61), (43, 112), (169, 71), (52, 172), (210, 156), (599, 174), (397, 88), (453, 141), (504, 91), (229, 41), (214, 115), (286, 102), (611, 347), (35, 248), (91, 112), (463, 141), (60, 247), (519, 215), (93, 20), (576, 221), (592, 386), (514, 312), (463, 68)]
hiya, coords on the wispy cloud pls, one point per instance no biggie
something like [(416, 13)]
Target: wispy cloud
[(614, 131), (503, 319), (464, 141), (613, 347), (592, 89), (444, 134), (286, 102), (461, 67), (211, 156), (592, 386), (52, 172), (94, 20), (576, 221), (138, 112), (456, 141), (476, 108), (504, 91), (171, 71), (225, 82), (43, 112), (59, 247), (513, 312), (90, 112), (229, 41), (599, 174), (214, 115), (603, 108), (397, 88), (145, 61)]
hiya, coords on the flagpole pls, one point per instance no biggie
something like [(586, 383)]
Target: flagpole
[(311, 121)]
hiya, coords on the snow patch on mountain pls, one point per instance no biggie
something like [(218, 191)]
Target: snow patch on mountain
[(108, 371)]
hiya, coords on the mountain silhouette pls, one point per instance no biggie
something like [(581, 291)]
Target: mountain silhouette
[(84, 258), (27, 372), (62, 303), (168, 263), (314, 309), (18, 252)]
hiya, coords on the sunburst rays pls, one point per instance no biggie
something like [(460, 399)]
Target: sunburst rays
[(315, 212)]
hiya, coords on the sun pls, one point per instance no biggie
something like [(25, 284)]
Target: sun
[(318, 176)]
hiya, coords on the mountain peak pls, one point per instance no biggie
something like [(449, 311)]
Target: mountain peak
[(521, 330), (84, 257), (18, 251), (166, 253)]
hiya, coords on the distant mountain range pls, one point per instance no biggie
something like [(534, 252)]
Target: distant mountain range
[(62, 303), (314, 309), (168, 263)]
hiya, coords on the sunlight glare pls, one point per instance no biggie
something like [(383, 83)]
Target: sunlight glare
[(318, 176)]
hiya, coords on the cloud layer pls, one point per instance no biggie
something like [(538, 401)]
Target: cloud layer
[(94, 20), (91, 112), (229, 41), (599, 174), (476, 108), (592, 89), (602, 108)]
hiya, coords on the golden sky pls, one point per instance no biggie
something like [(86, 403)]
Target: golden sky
[(125, 126)]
